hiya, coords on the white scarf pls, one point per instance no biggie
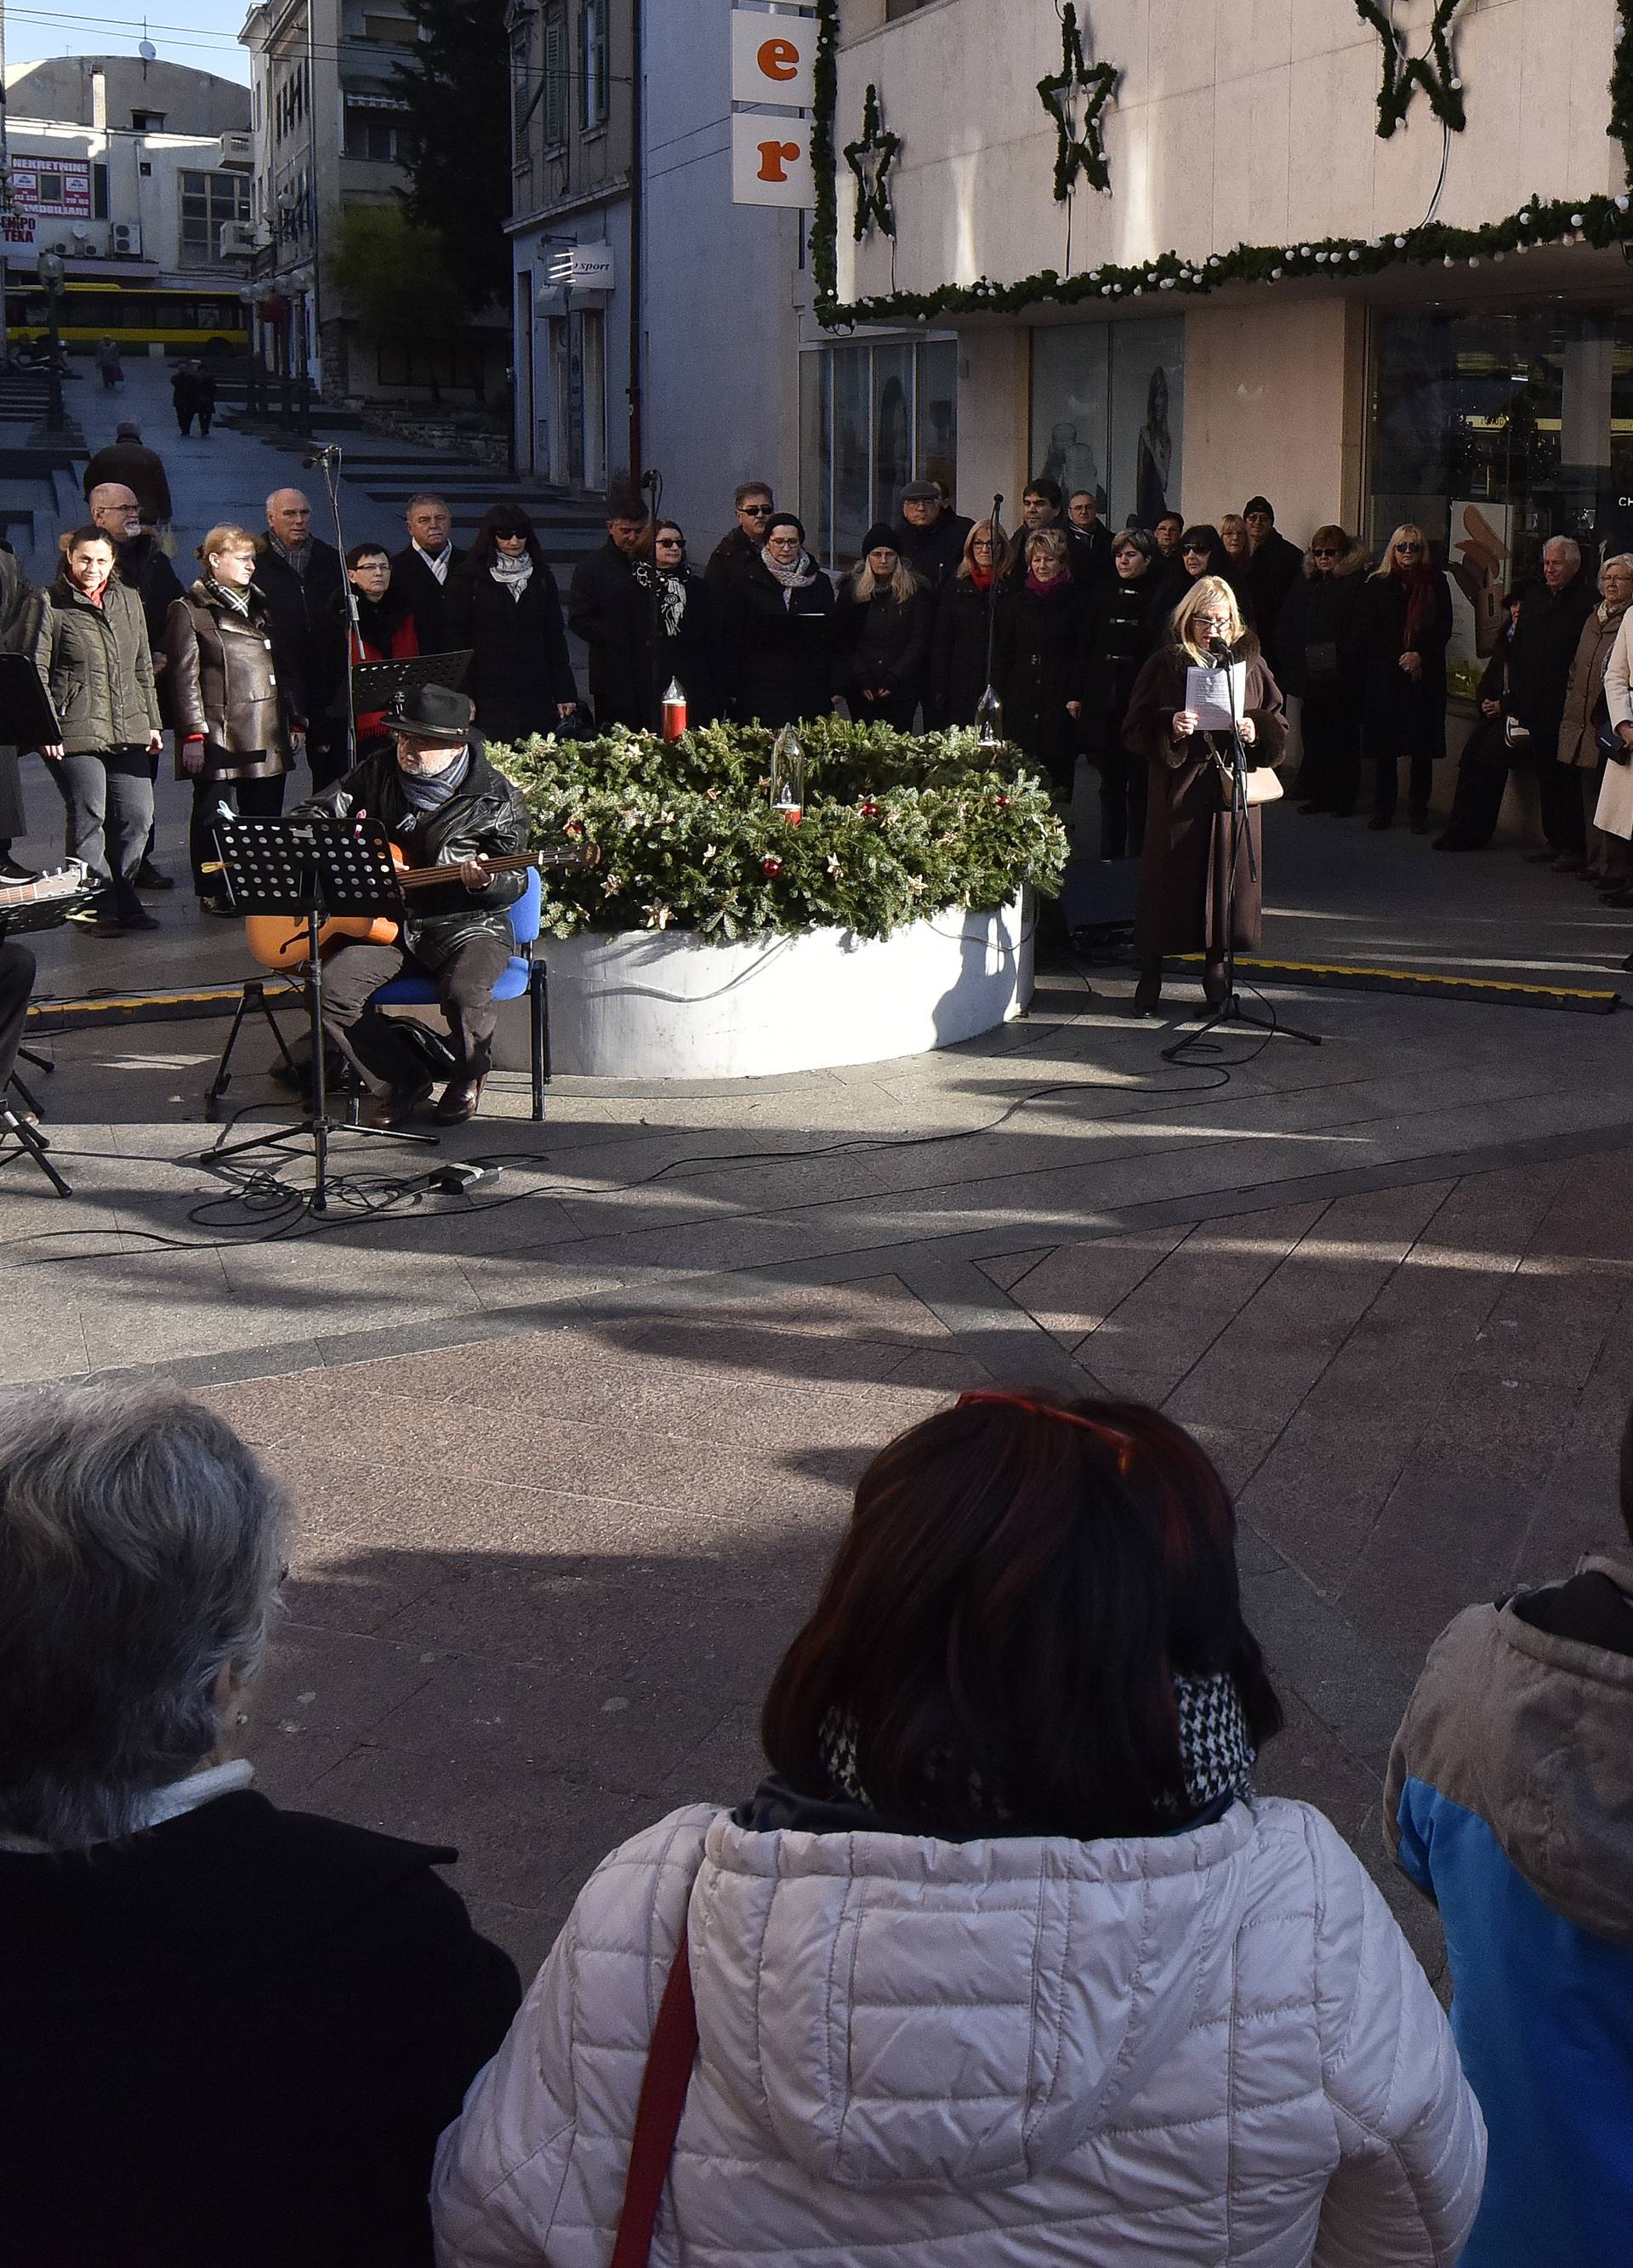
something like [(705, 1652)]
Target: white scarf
[(512, 575), (437, 561), (190, 1794)]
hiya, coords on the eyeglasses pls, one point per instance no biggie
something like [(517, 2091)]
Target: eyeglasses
[(672, 543), (981, 544), (1195, 551), (756, 511), (1408, 550), (1320, 551)]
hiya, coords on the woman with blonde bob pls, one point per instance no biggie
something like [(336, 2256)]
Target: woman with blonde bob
[(958, 648), (1193, 895), (882, 625), (1005, 1961)]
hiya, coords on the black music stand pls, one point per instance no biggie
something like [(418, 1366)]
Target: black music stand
[(42, 913), (376, 684), (314, 867)]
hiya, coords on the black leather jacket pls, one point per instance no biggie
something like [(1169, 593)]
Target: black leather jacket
[(487, 818)]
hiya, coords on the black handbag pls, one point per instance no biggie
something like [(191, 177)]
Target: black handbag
[(1612, 747), (1321, 665)]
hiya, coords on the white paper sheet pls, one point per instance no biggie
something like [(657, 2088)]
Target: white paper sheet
[(1211, 693)]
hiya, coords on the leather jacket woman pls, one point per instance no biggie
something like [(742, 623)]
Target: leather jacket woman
[(223, 685)]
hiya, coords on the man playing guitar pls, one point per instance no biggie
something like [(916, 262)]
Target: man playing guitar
[(442, 803)]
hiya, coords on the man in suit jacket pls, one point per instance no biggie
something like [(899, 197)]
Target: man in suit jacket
[(422, 569)]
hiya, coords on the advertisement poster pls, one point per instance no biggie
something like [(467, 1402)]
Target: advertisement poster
[(1478, 558)]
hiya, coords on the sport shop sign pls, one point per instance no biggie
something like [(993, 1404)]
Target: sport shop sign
[(774, 73)]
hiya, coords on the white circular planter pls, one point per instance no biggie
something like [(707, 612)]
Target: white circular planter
[(661, 1004)]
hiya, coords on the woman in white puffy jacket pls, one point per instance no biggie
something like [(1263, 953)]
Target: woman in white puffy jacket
[(1005, 1962)]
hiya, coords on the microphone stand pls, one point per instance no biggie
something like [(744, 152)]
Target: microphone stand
[(992, 598), (1231, 1010), (328, 461)]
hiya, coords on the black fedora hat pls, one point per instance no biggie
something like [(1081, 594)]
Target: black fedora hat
[(431, 712)]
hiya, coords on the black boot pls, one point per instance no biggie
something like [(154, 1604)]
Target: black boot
[(1148, 991)]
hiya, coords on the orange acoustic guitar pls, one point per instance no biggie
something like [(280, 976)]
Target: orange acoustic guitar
[(280, 941)]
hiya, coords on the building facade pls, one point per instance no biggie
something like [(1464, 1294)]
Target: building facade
[(327, 120), (1228, 248), (139, 174)]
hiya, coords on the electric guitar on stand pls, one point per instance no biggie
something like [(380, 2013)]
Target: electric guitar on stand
[(278, 941)]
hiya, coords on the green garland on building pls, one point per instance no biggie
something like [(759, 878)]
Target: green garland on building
[(1604, 222), (1436, 74), (1078, 153), (873, 201)]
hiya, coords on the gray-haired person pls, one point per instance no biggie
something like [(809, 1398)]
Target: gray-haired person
[(231, 2031)]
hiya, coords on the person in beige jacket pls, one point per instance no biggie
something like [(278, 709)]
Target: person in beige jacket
[(1587, 709), (1005, 1962)]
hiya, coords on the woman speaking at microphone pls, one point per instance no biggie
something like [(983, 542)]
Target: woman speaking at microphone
[(1189, 899)]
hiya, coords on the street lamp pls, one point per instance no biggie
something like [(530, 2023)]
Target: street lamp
[(52, 268), (255, 297)]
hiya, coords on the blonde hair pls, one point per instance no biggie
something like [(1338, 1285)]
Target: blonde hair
[(1407, 527), (902, 586), (1233, 524), (225, 537), (1208, 592), (1050, 541), (1003, 549)]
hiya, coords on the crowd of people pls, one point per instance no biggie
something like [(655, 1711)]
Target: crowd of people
[(1005, 1941)]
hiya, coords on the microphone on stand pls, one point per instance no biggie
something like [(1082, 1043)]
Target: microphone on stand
[(989, 709)]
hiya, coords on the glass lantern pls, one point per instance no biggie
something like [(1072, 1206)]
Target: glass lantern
[(990, 719), (787, 775)]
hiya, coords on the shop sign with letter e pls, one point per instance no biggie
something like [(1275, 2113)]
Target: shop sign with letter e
[(773, 68), (771, 159)]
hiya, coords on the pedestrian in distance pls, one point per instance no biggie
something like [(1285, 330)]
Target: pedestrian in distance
[(184, 395), (110, 365), (302, 581), (1004, 1960), (127, 459), (503, 604), (1406, 626), (884, 617), (609, 605), (1507, 1803), (1041, 662), (959, 640), (753, 505), (1199, 891), (780, 631), (1324, 664), (422, 568), (144, 568), (1123, 620), (155, 1901), (205, 396), (229, 714), (88, 641), (928, 536)]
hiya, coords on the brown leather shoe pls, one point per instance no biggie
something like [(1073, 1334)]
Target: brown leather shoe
[(397, 1105), (458, 1101)]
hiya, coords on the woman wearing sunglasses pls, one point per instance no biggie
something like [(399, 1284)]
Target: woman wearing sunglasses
[(1406, 619), (1005, 1961)]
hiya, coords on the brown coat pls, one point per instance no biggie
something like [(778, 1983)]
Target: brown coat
[(1584, 694), (222, 684), (1185, 876)]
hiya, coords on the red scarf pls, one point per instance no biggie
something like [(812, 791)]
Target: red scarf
[(982, 577), (1420, 600)]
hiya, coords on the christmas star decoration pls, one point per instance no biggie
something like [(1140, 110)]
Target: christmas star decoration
[(1435, 72), (871, 160), (1081, 149)]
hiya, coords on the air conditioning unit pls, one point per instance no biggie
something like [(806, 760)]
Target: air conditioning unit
[(128, 239), (238, 149), (239, 239)]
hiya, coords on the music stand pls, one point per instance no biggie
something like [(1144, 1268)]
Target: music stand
[(376, 684), (315, 867), (19, 920)]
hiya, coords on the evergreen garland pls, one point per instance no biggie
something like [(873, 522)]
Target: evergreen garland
[(1621, 126), (1436, 77), (873, 204), (1085, 152), (825, 218)]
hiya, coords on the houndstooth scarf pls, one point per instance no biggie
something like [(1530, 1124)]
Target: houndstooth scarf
[(1216, 1751), (672, 594)]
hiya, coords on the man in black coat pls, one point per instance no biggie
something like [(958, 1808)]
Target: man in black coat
[(928, 536), (443, 804), (126, 458), (146, 568), (303, 583), (610, 610), (1552, 611), (734, 552), (421, 570), (1275, 566), (1088, 540)]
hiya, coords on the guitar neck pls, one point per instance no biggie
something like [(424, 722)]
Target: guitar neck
[(422, 877), (15, 895)]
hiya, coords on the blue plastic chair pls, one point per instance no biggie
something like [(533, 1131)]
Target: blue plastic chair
[(524, 975)]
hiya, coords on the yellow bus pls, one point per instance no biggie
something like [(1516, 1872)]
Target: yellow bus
[(202, 322)]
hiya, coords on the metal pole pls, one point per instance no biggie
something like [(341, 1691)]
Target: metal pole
[(5, 200), (636, 217)]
